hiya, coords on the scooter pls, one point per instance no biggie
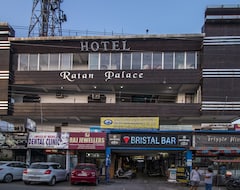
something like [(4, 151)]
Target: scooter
[(232, 183), (129, 174)]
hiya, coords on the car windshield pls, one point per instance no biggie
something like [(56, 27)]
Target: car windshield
[(39, 166), (85, 167)]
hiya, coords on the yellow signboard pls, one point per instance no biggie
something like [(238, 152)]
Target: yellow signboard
[(130, 122)]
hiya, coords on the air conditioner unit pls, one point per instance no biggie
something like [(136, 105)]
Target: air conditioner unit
[(59, 94), (96, 96)]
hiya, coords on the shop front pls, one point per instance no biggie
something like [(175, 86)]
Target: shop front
[(219, 150), (13, 146), (68, 149), (88, 147), (48, 147), (148, 153)]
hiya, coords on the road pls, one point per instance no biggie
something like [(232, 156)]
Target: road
[(117, 184)]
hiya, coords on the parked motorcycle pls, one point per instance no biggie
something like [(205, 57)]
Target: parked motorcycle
[(128, 174), (232, 183)]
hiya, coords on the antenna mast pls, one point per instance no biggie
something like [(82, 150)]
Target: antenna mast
[(47, 18)]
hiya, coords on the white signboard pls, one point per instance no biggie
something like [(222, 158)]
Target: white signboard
[(48, 140)]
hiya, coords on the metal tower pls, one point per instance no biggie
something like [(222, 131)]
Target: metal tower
[(47, 18)]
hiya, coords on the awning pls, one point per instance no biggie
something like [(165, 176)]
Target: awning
[(227, 161), (216, 150)]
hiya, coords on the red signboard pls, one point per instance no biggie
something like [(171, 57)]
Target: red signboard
[(87, 141)]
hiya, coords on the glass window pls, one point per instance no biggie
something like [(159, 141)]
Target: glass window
[(33, 62), (179, 60), (23, 65), (65, 61), (136, 61), (80, 61), (115, 61), (190, 60), (93, 65), (147, 60), (168, 60), (105, 61), (43, 62), (54, 62), (157, 60), (126, 60)]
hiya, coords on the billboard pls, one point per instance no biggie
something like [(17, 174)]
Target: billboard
[(130, 122)]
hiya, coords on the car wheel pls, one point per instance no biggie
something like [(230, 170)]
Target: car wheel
[(53, 181), (67, 177), (97, 181), (8, 178), (27, 182)]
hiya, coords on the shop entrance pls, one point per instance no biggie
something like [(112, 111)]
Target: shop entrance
[(146, 163)]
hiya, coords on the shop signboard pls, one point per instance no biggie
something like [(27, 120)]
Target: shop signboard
[(48, 140), (150, 140), (217, 140), (130, 122), (87, 140), (13, 140)]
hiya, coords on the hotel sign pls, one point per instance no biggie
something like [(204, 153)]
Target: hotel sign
[(108, 75), (104, 45), (87, 140), (149, 140), (130, 122)]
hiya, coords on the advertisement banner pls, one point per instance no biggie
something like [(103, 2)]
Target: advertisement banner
[(149, 140), (130, 122), (13, 140), (48, 140), (87, 141), (217, 140)]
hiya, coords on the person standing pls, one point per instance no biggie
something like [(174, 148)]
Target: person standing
[(208, 180), (194, 178)]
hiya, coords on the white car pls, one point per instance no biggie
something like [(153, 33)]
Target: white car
[(11, 170), (48, 172)]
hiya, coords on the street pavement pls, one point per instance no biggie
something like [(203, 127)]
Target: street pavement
[(139, 183)]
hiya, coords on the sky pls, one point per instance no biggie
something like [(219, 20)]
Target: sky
[(122, 16)]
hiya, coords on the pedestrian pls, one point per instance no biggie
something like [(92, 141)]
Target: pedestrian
[(194, 178), (208, 179)]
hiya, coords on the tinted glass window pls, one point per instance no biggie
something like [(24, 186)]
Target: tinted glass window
[(39, 166), (82, 167)]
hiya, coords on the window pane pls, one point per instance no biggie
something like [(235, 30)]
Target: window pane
[(80, 61), (43, 62), (33, 62), (23, 62), (136, 61), (65, 61), (147, 60), (168, 60), (105, 61), (190, 61), (93, 65), (115, 61), (157, 60), (54, 62), (126, 61), (179, 60)]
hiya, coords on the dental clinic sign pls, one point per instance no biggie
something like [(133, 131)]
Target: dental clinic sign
[(48, 140), (149, 140)]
